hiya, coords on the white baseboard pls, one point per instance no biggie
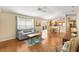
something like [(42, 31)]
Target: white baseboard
[(8, 37)]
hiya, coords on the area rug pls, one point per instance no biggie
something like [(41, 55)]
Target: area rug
[(33, 41)]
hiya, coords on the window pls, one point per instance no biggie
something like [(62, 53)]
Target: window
[(25, 23)]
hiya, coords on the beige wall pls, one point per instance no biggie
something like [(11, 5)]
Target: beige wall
[(7, 26), (38, 21)]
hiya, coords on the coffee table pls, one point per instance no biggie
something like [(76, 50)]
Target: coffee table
[(34, 38)]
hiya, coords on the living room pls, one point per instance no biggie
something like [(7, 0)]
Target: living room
[(38, 29)]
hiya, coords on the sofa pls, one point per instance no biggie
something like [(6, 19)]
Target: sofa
[(72, 45), (22, 34)]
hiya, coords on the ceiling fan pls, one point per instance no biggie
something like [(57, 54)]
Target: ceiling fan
[(42, 9)]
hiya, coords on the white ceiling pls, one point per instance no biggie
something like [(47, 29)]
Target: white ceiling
[(47, 12)]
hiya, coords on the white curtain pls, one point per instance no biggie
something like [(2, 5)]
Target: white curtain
[(25, 23)]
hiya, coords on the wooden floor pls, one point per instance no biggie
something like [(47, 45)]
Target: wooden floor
[(52, 44)]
